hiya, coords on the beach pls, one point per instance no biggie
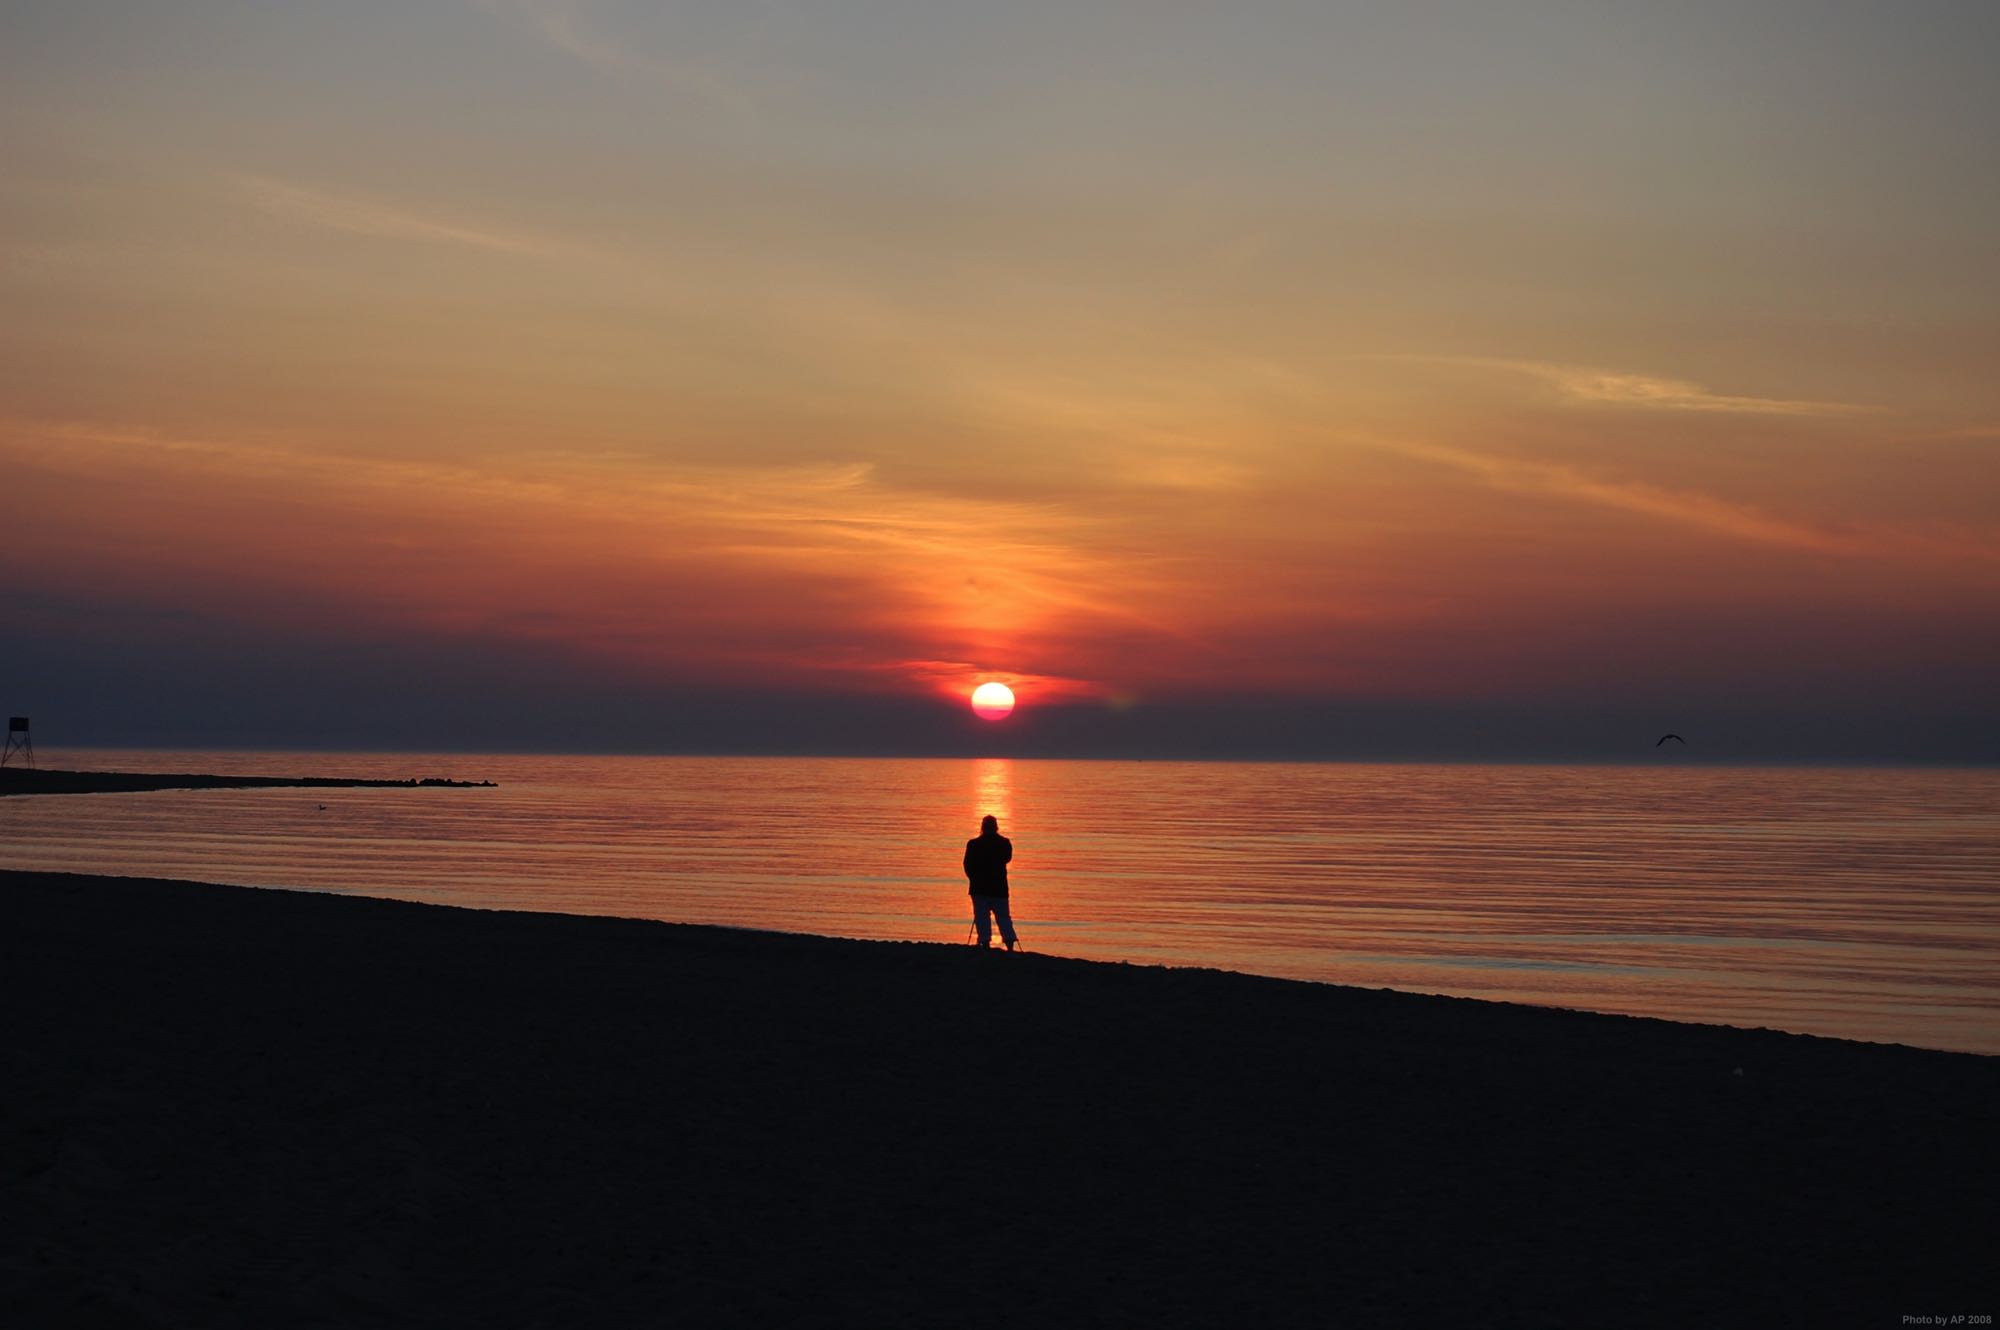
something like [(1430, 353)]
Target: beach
[(250, 1107)]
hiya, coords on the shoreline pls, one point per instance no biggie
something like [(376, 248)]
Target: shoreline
[(249, 1105), (1530, 1010), (37, 780)]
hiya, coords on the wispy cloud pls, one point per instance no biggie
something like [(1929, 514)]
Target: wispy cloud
[(567, 26), (1691, 508), (1706, 512), (369, 217), (1963, 434), (1604, 387), (563, 24), (873, 580)]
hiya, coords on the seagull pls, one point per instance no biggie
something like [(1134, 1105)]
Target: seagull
[(1675, 737)]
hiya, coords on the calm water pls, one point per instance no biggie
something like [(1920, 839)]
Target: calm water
[(1853, 902)]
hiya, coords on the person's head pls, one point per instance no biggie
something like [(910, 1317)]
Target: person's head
[(989, 825)]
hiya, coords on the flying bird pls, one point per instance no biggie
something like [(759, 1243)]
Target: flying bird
[(1675, 737)]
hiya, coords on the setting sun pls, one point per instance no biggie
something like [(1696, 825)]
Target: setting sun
[(992, 701)]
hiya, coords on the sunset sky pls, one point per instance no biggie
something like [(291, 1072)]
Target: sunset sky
[(1303, 379)]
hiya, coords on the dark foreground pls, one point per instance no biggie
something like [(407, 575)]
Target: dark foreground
[(34, 780), (229, 1107)]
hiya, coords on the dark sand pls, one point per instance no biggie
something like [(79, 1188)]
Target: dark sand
[(40, 780), (228, 1107)]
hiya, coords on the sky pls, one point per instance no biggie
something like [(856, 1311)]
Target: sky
[(1479, 380)]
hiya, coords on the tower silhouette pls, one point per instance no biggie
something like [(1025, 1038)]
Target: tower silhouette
[(18, 742)]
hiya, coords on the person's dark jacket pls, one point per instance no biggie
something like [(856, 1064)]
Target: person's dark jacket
[(986, 860)]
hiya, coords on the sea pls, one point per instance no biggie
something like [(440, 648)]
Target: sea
[(1861, 903)]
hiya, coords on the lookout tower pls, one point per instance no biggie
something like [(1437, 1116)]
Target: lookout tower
[(18, 742)]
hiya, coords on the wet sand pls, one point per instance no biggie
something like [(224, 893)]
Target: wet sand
[(233, 1107)]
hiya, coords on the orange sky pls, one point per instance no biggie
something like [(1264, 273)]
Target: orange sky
[(1120, 356)]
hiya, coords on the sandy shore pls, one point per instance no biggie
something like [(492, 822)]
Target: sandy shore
[(229, 1107)]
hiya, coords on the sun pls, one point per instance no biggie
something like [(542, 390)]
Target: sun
[(992, 701)]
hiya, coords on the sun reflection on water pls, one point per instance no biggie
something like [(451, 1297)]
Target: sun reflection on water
[(993, 790)]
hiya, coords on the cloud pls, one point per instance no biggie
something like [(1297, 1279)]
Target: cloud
[(1602, 387), (1640, 390), (370, 218), (562, 24), (566, 25), (1704, 511), (753, 571), (1963, 434)]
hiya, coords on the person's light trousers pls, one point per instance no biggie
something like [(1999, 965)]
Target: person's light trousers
[(996, 906)]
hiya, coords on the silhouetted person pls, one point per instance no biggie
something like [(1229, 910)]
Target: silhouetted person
[(986, 858)]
